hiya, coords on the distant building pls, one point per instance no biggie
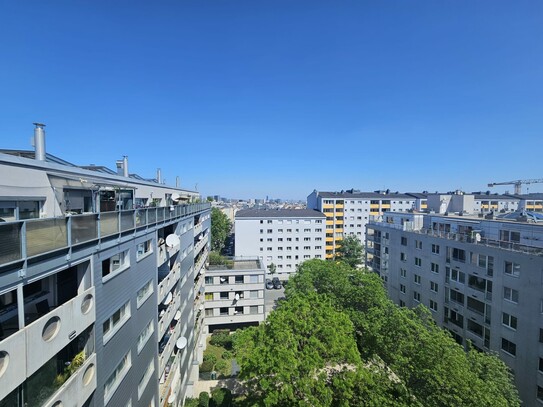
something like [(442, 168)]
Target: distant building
[(481, 278), (347, 212), (234, 294), (284, 237)]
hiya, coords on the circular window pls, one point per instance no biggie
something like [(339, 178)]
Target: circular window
[(57, 404), (88, 375), (51, 328), (4, 362), (86, 305)]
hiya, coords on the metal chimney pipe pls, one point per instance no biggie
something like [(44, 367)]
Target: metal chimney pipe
[(158, 176), (177, 181), (39, 141), (125, 166)]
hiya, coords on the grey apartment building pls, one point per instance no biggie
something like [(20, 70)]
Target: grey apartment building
[(284, 237), (100, 272), (479, 275)]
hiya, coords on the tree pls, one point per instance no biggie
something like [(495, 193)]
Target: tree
[(220, 229), (272, 268), (351, 251)]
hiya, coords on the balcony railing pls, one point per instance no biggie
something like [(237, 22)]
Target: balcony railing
[(33, 237)]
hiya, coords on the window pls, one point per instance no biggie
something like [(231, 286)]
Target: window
[(459, 255), (238, 310), (418, 261), (455, 275), (269, 221), (456, 318), (261, 230), (209, 297), (269, 231), (238, 279), (224, 296), (416, 278), (269, 239), (269, 249), (403, 273), (433, 286), (418, 244), (289, 239), (416, 296), (209, 312), (253, 279), (116, 377), (509, 347), (475, 328), (114, 322), (144, 293), (208, 280), (402, 288), (510, 294), (253, 309), (253, 294), (402, 303), (223, 279), (403, 241), (403, 257), (509, 321), (115, 264), (434, 267), (307, 239), (512, 269), (223, 311), (289, 230), (433, 305), (435, 249), (541, 365), (456, 297), (145, 335), (540, 393), (143, 249)]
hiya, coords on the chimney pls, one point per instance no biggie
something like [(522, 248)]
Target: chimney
[(177, 181), (122, 166), (39, 141), (125, 166), (158, 176)]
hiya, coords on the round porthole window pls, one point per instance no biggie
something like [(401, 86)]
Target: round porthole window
[(86, 305), (4, 362), (89, 374), (51, 328), (57, 404)]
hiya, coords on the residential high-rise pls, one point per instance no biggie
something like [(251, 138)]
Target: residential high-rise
[(347, 212), (479, 275), (98, 277), (284, 237)]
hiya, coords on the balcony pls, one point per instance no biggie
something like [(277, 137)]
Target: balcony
[(201, 261), (35, 237), (166, 380), (200, 244), (167, 282), (167, 345), (167, 313)]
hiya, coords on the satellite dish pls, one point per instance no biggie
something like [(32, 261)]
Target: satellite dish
[(172, 240), (237, 297), (477, 237), (171, 398), (168, 299), (177, 316), (181, 343), (176, 197)]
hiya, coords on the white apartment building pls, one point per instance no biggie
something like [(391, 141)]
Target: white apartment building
[(98, 277), (481, 279), (348, 212), (284, 237), (234, 294)]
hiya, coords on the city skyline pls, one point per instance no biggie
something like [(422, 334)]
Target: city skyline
[(284, 98)]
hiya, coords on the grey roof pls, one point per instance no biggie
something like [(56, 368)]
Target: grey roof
[(367, 195), (523, 215), (31, 154), (418, 195), (530, 197), (495, 197), (279, 213)]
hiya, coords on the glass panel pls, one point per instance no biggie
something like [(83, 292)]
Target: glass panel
[(10, 242), (45, 235), (109, 224), (151, 215), (84, 228), (127, 220)]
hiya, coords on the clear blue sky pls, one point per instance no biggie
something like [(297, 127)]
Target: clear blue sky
[(255, 98)]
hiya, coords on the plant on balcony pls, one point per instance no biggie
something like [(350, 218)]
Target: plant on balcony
[(69, 370)]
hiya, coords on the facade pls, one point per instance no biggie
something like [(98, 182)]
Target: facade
[(98, 278), (481, 279), (284, 237), (348, 212), (234, 293)]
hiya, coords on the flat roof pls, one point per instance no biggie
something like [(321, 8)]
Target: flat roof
[(279, 213), (369, 195)]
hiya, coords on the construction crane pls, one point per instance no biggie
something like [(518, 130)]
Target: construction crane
[(518, 184)]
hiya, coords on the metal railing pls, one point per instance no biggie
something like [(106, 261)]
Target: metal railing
[(33, 237)]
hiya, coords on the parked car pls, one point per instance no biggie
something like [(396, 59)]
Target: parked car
[(269, 284), (277, 284)]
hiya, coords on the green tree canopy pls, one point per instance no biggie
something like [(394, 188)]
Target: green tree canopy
[(402, 357), (351, 251), (220, 229)]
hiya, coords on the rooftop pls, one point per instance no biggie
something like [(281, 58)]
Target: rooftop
[(279, 213)]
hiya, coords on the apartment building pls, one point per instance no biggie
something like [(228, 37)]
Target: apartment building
[(99, 272), (348, 212), (481, 279), (234, 293), (284, 237)]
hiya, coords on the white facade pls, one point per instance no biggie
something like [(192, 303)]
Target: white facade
[(282, 237), (480, 278)]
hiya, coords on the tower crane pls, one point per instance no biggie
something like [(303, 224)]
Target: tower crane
[(518, 184)]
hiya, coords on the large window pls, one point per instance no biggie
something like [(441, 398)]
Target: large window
[(510, 294), (509, 321), (114, 323), (509, 347), (144, 249), (144, 293), (115, 264), (146, 377), (116, 377), (512, 269), (145, 335)]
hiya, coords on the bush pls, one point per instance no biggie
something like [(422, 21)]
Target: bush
[(221, 338), (207, 366), (226, 355), (209, 357), (221, 366), (203, 399), (190, 402), (221, 397)]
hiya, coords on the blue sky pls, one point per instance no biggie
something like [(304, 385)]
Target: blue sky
[(255, 98)]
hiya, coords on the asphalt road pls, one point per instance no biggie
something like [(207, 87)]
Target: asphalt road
[(271, 297)]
